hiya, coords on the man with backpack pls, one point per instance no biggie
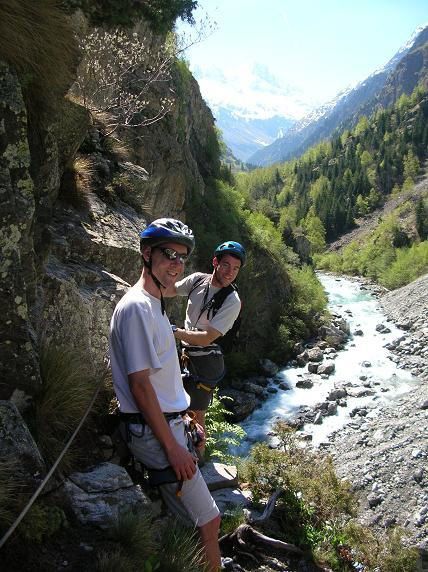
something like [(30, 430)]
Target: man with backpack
[(213, 306), (148, 384)]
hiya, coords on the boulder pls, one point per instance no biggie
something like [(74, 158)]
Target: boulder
[(302, 359), (99, 496), (252, 388), (18, 447), (269, 367), (337, 393), (228, 500), (315, 354), (219, 476), (240, 405), (305, 383), (313, 367), (332, 408), (334, 336), (326, 368)]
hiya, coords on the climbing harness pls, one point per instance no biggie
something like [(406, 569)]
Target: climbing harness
[(166, 475)]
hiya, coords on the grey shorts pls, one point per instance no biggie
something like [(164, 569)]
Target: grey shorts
[(195, 503)]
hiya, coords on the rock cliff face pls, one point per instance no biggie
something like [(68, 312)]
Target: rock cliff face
[(64, 265)]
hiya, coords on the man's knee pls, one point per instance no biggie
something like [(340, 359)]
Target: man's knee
[(209, 531)]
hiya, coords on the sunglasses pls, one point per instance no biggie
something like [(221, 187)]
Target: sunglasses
[(172, 254)]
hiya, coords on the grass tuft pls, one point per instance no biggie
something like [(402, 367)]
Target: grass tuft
[(179, 549), (114, 560), (36, 39), (11, 497), (141, 546), (67, 387), (117, 148), (231, 520), (76, 183), (134, 533)]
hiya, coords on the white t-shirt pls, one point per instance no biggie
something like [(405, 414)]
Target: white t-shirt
[(141, 338), (225, 316)]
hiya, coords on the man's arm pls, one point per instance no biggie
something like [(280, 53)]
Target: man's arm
[(197, 338), (179, 458)]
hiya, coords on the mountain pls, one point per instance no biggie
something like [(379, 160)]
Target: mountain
[(400, 75), (244, 136)]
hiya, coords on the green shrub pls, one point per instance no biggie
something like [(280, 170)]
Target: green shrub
[(410, 263), (231, 520), (386, 553), (330, 261), (316, 509), (41, 522), (312, 493), (161, 14), (221, 434)]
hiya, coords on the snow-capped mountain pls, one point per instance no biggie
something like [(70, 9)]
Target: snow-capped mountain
[(245, 135), (400, 75)]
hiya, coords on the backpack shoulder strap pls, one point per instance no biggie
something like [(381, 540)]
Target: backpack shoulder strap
[(220, 296), (198, 282)]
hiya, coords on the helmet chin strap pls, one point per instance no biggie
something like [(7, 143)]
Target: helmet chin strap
[(148, 265)]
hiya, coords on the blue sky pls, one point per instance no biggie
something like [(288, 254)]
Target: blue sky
[(287, 57)]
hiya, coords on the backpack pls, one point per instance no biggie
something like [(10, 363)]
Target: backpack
[(226, 342)]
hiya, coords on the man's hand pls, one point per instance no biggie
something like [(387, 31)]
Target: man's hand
[(183, 462)]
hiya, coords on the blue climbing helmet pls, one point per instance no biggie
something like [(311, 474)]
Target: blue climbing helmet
[(167, 230), (233, 248)]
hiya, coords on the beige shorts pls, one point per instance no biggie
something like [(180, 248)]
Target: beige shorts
[(195, 502)]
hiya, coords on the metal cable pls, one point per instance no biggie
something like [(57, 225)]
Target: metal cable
[(55, 465)]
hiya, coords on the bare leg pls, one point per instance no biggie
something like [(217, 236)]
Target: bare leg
[(209, 540)]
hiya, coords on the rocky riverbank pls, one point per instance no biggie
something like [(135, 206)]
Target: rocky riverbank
[(385, 457)]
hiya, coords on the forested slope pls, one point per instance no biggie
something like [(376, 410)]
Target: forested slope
[(333, 186)]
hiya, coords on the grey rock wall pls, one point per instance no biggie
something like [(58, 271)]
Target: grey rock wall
[(18, 348)]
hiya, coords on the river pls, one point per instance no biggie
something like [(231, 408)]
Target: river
[(363, 357)]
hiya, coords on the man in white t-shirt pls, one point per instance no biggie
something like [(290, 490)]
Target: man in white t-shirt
[(205, 323), (147, 381)]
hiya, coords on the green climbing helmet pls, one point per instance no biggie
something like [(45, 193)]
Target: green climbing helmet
[(233, 248)]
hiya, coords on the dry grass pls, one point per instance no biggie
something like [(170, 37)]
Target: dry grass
[(84, 171), (117, 148), (36, 39), (67, 388), (76, 183)]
